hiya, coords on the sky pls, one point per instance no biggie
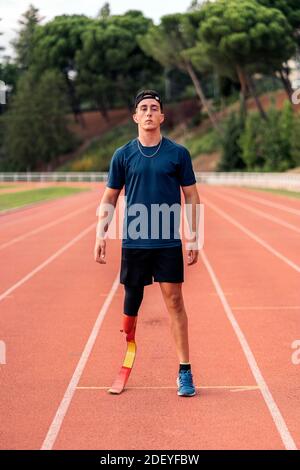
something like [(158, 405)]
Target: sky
[(11, 11)]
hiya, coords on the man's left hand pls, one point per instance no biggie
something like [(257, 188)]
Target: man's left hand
[(192, 257)]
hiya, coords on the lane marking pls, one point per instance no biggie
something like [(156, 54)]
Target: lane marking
[(266, 202), (272, 218), (232, 388), (47, 261), (69, 393), (44, 227), (290, 307), (253, 236), (276, 415)]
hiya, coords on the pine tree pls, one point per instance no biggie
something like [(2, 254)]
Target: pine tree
[(24, 43)]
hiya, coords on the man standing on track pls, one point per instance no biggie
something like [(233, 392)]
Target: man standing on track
[(153, 168)]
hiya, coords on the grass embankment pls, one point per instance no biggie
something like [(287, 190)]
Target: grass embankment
[(282, 192), (23, 198), (98, 155), (203, 144)]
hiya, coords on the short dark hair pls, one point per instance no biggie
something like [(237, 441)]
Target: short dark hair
[(144, 94)]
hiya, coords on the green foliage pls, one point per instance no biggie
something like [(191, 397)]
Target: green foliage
[(295, 141), (286, 123), (231, 157), (1, 47), (290, 9), (111, 63), (104, 52), (207, 143), (97, 157), (35, 127), (104, 11), (2, 133), (115, 55), (24, 43), (271, 145), (243, 33), (56, 42), (176, 35), (250, 142), (9, 73)]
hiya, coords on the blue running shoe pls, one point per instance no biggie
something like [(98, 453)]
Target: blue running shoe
[(185, 384)]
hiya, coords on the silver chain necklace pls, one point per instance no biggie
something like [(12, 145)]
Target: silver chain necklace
[(156, 151)]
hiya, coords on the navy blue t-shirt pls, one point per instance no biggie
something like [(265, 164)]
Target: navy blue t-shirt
[(152, 188)]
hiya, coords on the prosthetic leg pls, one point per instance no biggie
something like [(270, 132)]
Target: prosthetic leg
[(129, 326)]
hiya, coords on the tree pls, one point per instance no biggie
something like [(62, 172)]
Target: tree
[(55, 46), (169, 42), (9, 73), (295, 142), (111, 64), (193, 6), (35, 125), (250, 142), (291, 10), (24, 43), (1, 47), (241, 37), (231, 157), (104, 11), (270, 145)]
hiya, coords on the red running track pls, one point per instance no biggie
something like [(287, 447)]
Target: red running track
[(60, 321)]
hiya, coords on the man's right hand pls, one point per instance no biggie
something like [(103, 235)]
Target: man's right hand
[(100, 251)]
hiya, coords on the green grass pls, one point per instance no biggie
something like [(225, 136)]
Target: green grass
[(206, 143), (23, 198), (283, 192), (98, 155), (5, 186)]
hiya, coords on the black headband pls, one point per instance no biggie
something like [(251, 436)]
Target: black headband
[(148, 94)]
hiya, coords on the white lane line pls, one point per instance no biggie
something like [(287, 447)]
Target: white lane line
[(45, 227), (266, 202), (67, 398), (47, 261), (231, 388), (277, 417), (252, 235), (281, 307), (258, 212)]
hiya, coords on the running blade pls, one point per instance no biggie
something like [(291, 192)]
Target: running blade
[(122, 377)]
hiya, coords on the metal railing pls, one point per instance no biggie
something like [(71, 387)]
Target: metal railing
[(267, 180), (53, 176), (257, 179)]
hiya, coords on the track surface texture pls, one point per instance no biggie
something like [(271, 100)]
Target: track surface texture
[(61, 316)]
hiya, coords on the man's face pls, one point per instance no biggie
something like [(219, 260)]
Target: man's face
[(148, 114)]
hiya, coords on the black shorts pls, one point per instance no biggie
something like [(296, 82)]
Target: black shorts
[(139, 265)]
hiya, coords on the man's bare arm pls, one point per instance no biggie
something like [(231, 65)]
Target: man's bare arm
[(107, 204), (192, 198)]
